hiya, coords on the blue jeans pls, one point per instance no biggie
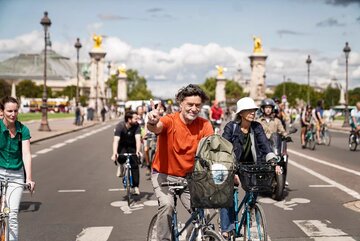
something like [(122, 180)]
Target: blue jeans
[(227, 219), (13, 198)]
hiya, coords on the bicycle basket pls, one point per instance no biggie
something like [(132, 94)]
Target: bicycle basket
[(212, 189), (256, 177)]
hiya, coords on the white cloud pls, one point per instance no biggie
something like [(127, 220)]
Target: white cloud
[(167, 71)]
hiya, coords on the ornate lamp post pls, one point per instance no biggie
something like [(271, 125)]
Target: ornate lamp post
[(44, 125), (347, 52), (308, 62), (77, 46)]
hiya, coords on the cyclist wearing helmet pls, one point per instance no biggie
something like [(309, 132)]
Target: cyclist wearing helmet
[(268, 120)]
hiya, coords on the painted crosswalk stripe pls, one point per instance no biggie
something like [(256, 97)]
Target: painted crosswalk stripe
[(95, 234), (318, 230), (75, 190)]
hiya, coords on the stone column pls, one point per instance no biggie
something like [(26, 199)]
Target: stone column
[(220, 89), (97, 80), (122, 87), (257, 82)]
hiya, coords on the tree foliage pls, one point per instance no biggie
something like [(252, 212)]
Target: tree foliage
[(331, 97), (233, 91), (136, 86), (29, 89), (69, 91), (295, 92), (5, 88), (354, 96)]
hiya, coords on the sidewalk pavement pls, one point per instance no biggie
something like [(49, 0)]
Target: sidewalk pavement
[(337, 125), (57, 126)]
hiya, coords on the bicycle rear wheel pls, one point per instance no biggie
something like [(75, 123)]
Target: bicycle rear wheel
[(257, 225), (311, 142), (151, 234)]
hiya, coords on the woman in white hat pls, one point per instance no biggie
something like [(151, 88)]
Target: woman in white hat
[(250, 146)]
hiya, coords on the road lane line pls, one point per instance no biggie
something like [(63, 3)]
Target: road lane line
[(116, 189), (319, 230), (324, 162), (33, 156), (327, 180), (75, 190), (71, 140), (95, 233), (321, 185), (43, 151), (58, 145)]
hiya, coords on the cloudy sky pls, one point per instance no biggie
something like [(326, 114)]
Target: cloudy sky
[(176, 42)]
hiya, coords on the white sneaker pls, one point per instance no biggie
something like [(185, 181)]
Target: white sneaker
[(136, 191)]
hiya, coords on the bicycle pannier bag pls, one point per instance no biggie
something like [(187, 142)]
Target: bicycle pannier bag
[(211, 183)]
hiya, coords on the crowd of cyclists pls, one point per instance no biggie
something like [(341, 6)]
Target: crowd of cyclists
[(176, 130)]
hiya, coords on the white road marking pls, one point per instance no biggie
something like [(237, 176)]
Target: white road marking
[(95, 234), (319, 231), (43, 151), (324, 162), (321, 185), (116, 189), (286, 205), (349, 191), (71, 140), (75, 190), (58, 145), (33, 156)]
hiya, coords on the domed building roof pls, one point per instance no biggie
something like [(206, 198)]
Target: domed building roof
[(31, 66)]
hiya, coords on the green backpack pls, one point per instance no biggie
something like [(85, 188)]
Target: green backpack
[(211, 183)]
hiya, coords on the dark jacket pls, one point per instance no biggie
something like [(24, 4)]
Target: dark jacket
[(260, 144)]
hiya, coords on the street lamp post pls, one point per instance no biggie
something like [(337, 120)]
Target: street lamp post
[(347, 52), (44, 125), (308, 62), (77, 46)]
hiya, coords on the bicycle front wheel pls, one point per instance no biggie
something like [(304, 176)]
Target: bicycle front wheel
[(211, 235), (151, 234), (352, 142), (257, 224), (128, 185), (327, 138)]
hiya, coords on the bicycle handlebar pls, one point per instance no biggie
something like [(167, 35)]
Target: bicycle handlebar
[(174, 184), (25, 185), (127, 154)]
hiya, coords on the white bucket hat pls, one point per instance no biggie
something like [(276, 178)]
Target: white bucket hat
[(245, 103)]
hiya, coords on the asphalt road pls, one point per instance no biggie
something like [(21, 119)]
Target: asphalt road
[(78, 196)]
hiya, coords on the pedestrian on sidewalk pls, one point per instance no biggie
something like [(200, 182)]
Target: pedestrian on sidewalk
[(15, 159)]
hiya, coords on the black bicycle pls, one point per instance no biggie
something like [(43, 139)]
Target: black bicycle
[(354, 140), (202, 228)]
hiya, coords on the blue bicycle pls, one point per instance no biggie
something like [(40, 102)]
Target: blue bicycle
[(128, 178), (202, 228), (251, 224)]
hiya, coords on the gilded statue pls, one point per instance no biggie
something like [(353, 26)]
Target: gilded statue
[(97, 41), (220, 71), (257, 45), (122, 70)]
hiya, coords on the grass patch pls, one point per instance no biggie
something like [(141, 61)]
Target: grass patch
[(37, 116)]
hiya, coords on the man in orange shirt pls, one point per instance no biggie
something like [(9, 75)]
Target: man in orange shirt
[(178, 136)]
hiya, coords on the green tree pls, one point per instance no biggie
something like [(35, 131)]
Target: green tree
[(69, 91), (331, 96), (29, 89), (137, 87), (294, 92), (354, 96), (209, 87), (233, 92), (5, 88)]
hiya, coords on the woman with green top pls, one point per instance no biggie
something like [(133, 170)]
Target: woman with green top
[(15, 157)]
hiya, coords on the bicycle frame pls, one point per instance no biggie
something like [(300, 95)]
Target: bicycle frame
[(248, 198)]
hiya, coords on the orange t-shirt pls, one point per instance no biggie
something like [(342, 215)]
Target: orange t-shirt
[(177, 144)]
